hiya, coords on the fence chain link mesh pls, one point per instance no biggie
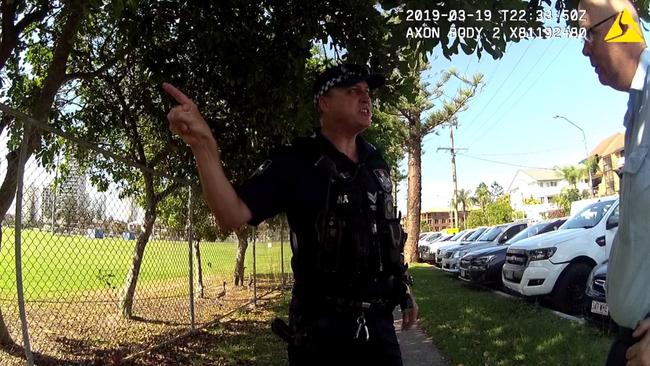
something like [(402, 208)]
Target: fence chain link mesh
[(79, 246)]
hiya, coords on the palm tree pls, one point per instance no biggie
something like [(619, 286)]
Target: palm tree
[(572, 174), (482, 196), (482, 199), (464, 197)]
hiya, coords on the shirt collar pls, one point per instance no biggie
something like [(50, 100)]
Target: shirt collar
[(363, 147), (638, 82)]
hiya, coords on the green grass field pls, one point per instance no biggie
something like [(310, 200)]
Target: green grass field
[(55, 265), (477, 327)]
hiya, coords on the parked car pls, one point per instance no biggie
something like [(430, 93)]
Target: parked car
[(596, 310), (423, 243), (443, 237), (440, 251), (429, 234), (557, 264), (484, 266), (427, 248), (498, 234)]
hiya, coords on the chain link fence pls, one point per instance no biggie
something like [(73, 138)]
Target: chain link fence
[(77, 248)]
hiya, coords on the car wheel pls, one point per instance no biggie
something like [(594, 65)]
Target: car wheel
[(569, 292)]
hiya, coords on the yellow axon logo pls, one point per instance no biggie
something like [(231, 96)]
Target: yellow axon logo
[(624, 29)]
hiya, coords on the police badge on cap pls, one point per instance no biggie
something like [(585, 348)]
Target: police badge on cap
[(345, 75)]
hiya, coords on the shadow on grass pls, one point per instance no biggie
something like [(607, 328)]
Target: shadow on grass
[(18, 351), (138, 318), (246, 339), (481, 328)]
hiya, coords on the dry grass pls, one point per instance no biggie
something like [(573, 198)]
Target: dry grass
[(93, 332)]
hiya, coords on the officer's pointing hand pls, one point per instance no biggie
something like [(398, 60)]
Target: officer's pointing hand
[(185, 120)]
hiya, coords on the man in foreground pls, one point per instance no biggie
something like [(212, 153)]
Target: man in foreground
[(616, 48), (346, 239)]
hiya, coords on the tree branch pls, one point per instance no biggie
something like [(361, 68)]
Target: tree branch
[(88, 75), (30, 18), (451, 109), (132, 126), (167, 191)]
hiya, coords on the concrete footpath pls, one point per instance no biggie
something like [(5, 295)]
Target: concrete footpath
[(417, 348)]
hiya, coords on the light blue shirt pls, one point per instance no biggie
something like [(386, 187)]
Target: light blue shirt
[(628, 277)]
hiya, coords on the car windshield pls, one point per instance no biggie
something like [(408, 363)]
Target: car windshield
[(491, 234), (476, 234), (589, 217), (528, 232), (458, 236), (433, 237), (468, 233)]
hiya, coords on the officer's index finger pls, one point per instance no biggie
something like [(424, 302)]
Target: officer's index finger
[(177, 94)]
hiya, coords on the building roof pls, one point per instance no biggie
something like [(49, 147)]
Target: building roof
[(611, 144), (445, 209), (436, 209), (542, 174)]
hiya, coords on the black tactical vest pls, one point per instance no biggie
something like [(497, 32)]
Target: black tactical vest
[(358, 243)]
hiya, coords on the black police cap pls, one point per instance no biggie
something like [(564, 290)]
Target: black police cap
[(345, 75)]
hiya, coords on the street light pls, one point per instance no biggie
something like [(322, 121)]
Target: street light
[(584, 139)]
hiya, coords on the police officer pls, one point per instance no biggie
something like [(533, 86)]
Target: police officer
[(346, 238)]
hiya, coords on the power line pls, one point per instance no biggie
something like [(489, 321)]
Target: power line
[(508, 110), (508, 98), (503, 83), (502, 162), (471, 57), (526, 152)]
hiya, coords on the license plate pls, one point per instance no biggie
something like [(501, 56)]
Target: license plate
[(463, 273), (510, 275), (598, 307)]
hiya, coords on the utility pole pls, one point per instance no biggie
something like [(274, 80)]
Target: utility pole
[(584, 140), (453, 151)]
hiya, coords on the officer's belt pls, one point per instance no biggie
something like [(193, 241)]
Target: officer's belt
[(341, 304)]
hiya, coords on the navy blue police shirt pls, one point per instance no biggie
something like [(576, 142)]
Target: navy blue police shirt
[(291, 182)]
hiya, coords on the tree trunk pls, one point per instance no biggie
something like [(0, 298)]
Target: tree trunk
[(414, 204), (242, 239), (128, 291), (12, 31), (198, 269), (5, 337)]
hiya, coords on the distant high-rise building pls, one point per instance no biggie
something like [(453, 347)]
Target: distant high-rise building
[(71, 199), (75, 182)]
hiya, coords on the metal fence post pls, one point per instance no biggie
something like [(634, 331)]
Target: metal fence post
[(254, 268), (282, 252), (190, 234), (18, 249)]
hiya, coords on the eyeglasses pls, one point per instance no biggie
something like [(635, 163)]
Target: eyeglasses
[(589, 36)]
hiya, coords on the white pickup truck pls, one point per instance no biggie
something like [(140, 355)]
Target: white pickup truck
[(558, 263)]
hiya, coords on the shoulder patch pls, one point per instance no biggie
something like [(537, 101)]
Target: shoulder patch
[(384, 179)]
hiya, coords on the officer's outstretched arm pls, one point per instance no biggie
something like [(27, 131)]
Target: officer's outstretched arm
[(186, 121)]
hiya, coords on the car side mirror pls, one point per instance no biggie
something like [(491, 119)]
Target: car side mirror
[(612, 222)]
